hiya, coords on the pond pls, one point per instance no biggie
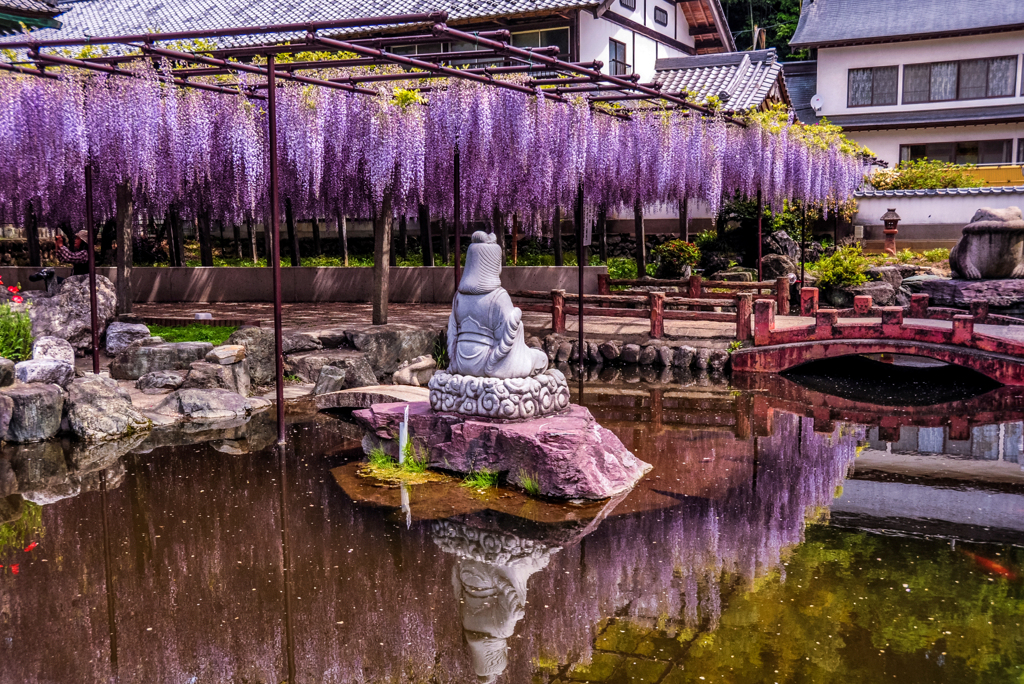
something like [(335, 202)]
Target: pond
[(784, 535)]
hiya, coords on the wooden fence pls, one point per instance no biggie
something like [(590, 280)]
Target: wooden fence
[(696, 288)]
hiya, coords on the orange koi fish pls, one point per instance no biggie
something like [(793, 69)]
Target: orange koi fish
[(31, 546), (989, 565)]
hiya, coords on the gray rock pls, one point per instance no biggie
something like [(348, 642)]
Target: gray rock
[(120, 336), (594, 354), (610, 350), (6, 372), (780, 242), (703, 358), (916, 283), (99, 409), (386, 346), (960, 293), (226, 354), (10, 508), (665, 356), (903, 296), (89, 457), (416, 372), (307, 365), (345, 373), (881, 293), (204, 375), (648, 354), (55, 348), (48, 371), (631, 353), (717, 360), (158, 382), (294, 341), (889, 274), (775, 266), (260, 352), (683, 357), (610, 374), (8, 481), (992, 246), (137, 360), (332, 338), (205, 404), (563, 353), (67, 314), (36, 412), (551, 343)]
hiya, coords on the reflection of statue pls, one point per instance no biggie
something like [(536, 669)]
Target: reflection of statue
[(485, 332), (490, 583)]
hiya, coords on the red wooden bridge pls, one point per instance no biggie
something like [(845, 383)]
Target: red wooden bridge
[(989, 344)]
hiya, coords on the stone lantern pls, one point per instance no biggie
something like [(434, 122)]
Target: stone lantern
[(890, 218)]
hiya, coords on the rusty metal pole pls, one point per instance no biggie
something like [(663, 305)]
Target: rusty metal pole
[(90, 227), (457, 218), (580, 251), (760, 214), (275, 244)]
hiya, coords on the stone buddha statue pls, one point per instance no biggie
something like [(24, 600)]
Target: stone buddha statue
[(485, 331)]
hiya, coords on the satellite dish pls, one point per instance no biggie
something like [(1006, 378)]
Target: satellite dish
[(817, 103)]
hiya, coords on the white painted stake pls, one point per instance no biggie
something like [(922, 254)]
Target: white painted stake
[(403, 436)]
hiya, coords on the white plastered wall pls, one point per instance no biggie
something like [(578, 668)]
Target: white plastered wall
[(886, 143)]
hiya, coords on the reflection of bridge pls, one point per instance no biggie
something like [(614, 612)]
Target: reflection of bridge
[(991, 345)]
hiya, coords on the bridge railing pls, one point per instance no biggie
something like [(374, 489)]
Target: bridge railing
[(826, 326), (650, 305), (863, 307), (697, 288)]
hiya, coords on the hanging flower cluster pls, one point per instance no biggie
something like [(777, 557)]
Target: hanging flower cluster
[(357, 155)]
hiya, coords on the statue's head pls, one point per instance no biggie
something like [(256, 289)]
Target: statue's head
[(483, 265)]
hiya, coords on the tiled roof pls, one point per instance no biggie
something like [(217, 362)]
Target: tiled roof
[(838, 22), (29, 6), (994, 190), (741, 79), (802, 84), (926, 118), (123, 17)]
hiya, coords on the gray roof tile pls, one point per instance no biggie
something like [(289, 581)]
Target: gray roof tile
[(835, 22), (29, 6), (802, 83), (995, 190), (747, 78)]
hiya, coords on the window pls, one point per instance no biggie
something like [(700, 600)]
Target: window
[(617, 58), (422, 49), (558, 37), (660, 16), (1020, 151), (969, 152), (628, 4), (873, 87), (970, 79)]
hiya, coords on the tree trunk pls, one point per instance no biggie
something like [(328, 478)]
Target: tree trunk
[(498, 224), (205, 240), (293, 238), (343, 239), (382, 225), (556, 236), (251, 226), (602, 235), (403, 238), (238, 239), (684, 223), (32, 236), (268, 240), (317, 251), (107, 240), (515, 239), (392, 252), (641, 248), (426, 238), (444, 242), (125, 222), (175, 238)]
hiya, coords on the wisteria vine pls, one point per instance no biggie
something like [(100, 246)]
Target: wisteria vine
[(345, 154)]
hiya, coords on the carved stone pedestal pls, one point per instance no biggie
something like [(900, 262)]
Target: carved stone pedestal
[(511, 399)]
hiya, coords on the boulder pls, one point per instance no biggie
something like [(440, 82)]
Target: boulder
[(306, 365), (781, 243), (345, 373), (703, 358), (386, 346), (8, 481), (6, 372), (38, 467), (99, 409), (631, 353), (550, 347), (120, 336), (717, 360), (47, 371), (10, 508), (89, 457), (55, 348), (960, 293), (648, 353), (683, 357), (888, 274), (564, 352), (158, 382), (610, 350), (775, 266), (36, 412), (992, 246), (881, 293), (67, 314), (715, 262), (416, 372), (226, 354), (294, 341), (205, 375), (260, 352), (665, 356), (138, 360), (331, 338), (205, 405)]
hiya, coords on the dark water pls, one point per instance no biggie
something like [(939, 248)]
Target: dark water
[(783, 536)]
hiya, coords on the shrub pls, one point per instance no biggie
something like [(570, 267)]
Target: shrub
[(15, 334), (904, 256), (706, 241), (936, 255), (843, 268), (675, 256), (924, 174)]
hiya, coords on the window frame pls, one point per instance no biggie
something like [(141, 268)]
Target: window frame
[(907, 155), (958, 96), (626, 66), (628, 4), (664, 13), (873, 70)]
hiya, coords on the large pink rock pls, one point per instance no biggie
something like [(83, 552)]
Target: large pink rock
[(568, 454)]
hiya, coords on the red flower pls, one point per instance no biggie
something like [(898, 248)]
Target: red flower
[(17, 299), (15, 568), (31, 546), (12, 288)]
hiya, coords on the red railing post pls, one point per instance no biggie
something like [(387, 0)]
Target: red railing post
[(963, 329), (825, 321), (782, 295), (808, 301), (657, 304), (744, 304), (892, 319), (764, 322), (862, 304), (603, 286), (558, 311), (918, 306)]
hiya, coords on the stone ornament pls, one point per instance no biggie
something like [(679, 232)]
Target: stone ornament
[(992, 246), (507, 399)]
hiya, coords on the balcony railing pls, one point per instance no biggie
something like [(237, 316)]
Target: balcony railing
[(619, 68)]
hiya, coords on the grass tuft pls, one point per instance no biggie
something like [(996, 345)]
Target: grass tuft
[(412, 471), (529, 482), (481, 479), (215, 334)]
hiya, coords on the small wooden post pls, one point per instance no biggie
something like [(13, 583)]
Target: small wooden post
[(919, 306), (293, 238), (693, 290), (764, 322), (744, 305), (603, 287), (556, 236), (343, 238), (558, 311), (426, 237), (782, 295), (656, 301), (808, 301), (963, 329), (317, 251), (515, 239), (32, 236)]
